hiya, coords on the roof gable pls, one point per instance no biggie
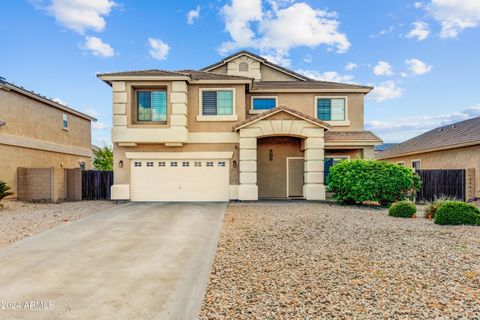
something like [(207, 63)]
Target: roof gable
[(275, 111), (258, 58)]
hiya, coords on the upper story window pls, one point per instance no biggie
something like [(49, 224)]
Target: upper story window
[(416, 165), (260, 104), (151, 106), (331, 109), (243, 66), (65, 121), (217, 102)]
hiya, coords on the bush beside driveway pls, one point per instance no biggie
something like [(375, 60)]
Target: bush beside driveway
[(311, 261)]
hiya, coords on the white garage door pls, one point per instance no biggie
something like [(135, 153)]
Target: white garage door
[(179, 180)]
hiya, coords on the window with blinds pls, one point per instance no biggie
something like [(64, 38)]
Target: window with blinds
[(217, 103), (152, 106), (331, 109)]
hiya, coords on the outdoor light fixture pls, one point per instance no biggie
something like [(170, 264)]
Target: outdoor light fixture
[(270, 155), (120, 164), (234, 163)]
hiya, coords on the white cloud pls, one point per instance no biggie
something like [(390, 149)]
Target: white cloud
[(308, 58), (278, 58), (193, 15), (99, 126), (383, 68), (283, 27), (78, 15), (418, 5), (158, 49), (60, 101), (331, 76), (403, 128), (454, 15), (385, 91), (351, 66), (420, 31), (383, 32), (418, 67), (91, 112), (97, 47)]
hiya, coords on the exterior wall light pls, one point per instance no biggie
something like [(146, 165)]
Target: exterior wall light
[(270, 155), (120, 164)]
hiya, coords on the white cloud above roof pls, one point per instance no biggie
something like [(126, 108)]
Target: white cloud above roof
[(385, 91), (283, 27), (418, 67), (78, 15), (331, 76), (383, 68), (97, 47), (454, 16), (420, 31), (158, 49), (193, 15)]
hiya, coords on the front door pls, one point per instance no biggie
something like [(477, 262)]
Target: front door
[(295, 177)]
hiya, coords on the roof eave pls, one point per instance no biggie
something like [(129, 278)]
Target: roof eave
[(453, 146)]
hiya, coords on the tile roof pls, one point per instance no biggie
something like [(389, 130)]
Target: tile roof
[(262, 85), (193, 74), (351, 136), (276, 110), (203, 75), (446, 137), (43, 99)]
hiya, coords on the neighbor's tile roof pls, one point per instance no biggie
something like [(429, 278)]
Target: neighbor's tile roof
[(276, 110), (262, 85), (449, 136), (339, 136)]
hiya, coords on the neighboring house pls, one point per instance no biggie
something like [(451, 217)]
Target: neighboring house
[(36, 132), (243, 128), (454, 146)]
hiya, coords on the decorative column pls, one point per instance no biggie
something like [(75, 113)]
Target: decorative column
[(313, 188), (248, 189)]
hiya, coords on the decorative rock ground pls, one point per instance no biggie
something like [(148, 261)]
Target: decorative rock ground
[(311, 261)]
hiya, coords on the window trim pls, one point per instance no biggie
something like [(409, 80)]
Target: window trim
[(135, 106), (65, 116), (253, 111), (416, 160), (337, 123), (232, 117)]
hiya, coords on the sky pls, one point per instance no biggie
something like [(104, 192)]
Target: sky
[(422, 57)]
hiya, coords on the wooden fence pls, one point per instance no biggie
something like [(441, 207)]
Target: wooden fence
[(437, 183), (96, 184)]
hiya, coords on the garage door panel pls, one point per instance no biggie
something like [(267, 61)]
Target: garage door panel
[(180, 182)]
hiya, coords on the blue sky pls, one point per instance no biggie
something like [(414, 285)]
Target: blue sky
[(422, 56)]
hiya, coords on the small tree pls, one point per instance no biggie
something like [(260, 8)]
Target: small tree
[(357, 181), (4, 190), (103, 159)]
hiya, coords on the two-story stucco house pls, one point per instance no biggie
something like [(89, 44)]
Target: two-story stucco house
[(36, 132), (243, 128)]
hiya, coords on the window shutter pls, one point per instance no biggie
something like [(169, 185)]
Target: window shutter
[(209, 103)]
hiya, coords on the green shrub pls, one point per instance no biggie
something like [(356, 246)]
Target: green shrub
[(4, 190), (457, 212), (357, 181), (402, 209), (432, 206)]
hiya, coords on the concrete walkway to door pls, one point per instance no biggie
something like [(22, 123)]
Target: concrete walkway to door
[(136, 261)]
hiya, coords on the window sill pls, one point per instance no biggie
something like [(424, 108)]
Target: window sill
[(218, 118), (339, 123)]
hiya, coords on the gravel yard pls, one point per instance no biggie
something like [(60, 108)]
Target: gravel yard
[(19, 220), (314, 261)]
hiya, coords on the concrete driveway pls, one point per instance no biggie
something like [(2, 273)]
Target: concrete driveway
[(136, 261)]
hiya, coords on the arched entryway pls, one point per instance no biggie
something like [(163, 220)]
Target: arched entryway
[(280, 167)]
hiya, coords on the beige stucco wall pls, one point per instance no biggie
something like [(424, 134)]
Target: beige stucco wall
[(272, 175), (30, 118), (305, 103), (13, 157), (122, 175), (270, 74), (459, 158)]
